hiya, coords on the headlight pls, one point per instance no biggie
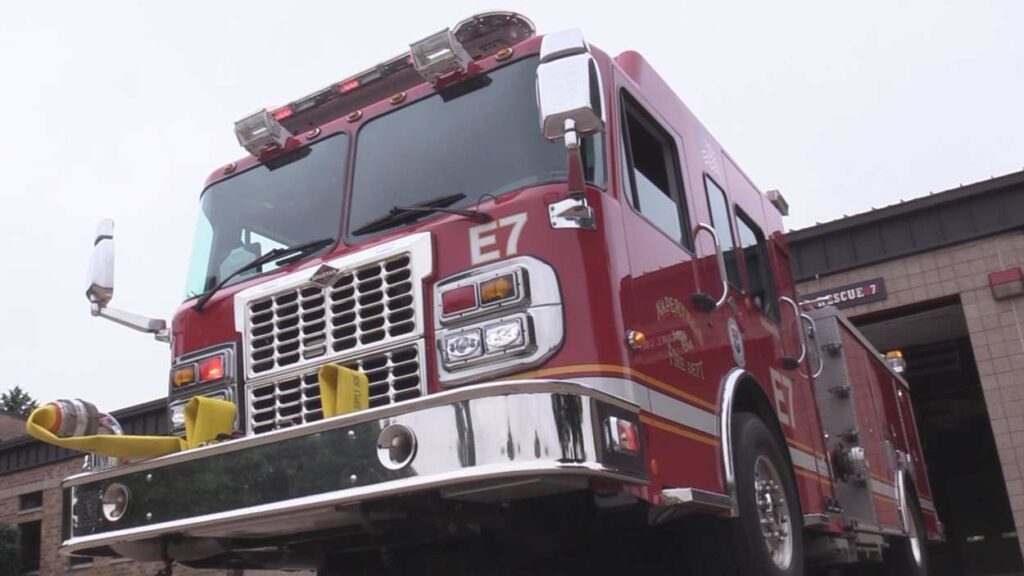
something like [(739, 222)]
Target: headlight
[(176, 411), (504, 336), (463, 346), (178, 415)]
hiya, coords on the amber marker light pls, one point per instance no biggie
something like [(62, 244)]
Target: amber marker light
[(183, 375), (636, 339), (498, 289)]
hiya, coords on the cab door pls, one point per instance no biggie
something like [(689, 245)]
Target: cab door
[(681, 361)]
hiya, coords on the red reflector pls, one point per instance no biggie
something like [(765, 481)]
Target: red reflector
[(628, 441), (211, 369), (622, 435), (458, 300), (282, 113), (348, 85)]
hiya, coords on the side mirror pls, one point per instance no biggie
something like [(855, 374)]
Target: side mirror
[(569, 93), (100, 282), (100, 287)]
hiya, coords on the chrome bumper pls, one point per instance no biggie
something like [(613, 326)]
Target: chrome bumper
[(489, 442)]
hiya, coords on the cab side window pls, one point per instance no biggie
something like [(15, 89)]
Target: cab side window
[(652, 163), (722, 222), (761, 281)]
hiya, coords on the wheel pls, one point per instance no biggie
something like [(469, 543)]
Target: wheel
[(908, 556), (767, 537)]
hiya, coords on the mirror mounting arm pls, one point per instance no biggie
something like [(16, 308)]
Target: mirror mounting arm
[(154, 326), (577, 180)]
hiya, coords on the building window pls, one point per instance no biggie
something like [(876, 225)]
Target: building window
[(722, 221), (760, 280), (30, 501), (30, 541), (652, 163)]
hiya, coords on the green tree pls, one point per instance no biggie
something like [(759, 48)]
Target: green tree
[(17, 401), (10, 553)]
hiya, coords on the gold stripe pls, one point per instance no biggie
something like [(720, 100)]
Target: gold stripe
[(616, 369), (679, 431)]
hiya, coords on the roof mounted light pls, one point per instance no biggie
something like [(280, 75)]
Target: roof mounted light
[(260, 131), (439, 55)]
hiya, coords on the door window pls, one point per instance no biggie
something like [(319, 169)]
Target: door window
[(760, 280), (654, 177), (722, 222)]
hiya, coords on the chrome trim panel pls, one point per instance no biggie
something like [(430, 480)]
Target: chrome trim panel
[(725, 409), (318, 342), (550, 423), (540, 301), (697, 498), (490, 389)]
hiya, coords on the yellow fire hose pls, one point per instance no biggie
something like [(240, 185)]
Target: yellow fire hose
[(342, 390)]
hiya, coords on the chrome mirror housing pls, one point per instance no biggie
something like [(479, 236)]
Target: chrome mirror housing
[(100, 281), (570, 97), (100, 287)]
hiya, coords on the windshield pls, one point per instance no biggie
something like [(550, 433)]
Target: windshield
[(480, 138), (282, 203)]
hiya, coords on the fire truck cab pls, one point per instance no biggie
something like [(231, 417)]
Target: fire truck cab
[(572, 307)]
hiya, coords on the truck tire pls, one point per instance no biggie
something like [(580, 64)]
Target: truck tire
[(908, 556), (767, 537)]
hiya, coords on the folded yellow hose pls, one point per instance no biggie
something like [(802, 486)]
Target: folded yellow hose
[(205, 420), (342, 390)]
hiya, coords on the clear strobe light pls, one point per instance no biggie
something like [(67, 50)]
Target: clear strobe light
[(260, 131), (439, 55)]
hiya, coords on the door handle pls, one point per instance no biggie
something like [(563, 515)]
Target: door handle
[(789, 362), (813, 334), (706, 302)]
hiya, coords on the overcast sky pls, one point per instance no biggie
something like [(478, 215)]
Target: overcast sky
[(123, 109)]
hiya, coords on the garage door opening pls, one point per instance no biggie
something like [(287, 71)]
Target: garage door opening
[(956, 433)]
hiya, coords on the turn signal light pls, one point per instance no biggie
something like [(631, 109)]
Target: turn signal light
[(498, 289), (183, 375), (211, 369)]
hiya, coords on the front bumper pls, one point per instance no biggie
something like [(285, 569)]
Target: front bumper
[(489, 442)]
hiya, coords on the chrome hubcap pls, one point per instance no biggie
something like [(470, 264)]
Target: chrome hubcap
[(773, 512)]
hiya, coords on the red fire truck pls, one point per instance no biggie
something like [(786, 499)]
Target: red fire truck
[(575, 314)]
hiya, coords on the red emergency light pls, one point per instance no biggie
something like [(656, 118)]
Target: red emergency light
[(1006, 283)]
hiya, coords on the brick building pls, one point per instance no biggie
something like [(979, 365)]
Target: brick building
[(939, 278), (30, 498)]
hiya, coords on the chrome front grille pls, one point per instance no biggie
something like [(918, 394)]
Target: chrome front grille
[(394, 375), (360, 308)]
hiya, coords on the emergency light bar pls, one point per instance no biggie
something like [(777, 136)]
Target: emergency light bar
[(476, 37)]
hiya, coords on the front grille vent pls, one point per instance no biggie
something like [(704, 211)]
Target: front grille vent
[(394, 376), (360, 307)]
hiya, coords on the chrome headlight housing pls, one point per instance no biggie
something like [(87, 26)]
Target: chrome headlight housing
[(496, 319), (209, 372)]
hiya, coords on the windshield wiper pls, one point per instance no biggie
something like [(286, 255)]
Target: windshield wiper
[(405, 214), (275, 254)]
